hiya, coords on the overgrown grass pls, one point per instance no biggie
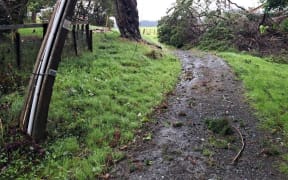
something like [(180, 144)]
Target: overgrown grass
[(99, 101)]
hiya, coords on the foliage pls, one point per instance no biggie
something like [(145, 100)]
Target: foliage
[(224, 30), (263, 29), (275, 4), (99, 101), (36, 5), (220, 37), (12, 11), (284, 25), (101, 10), (180, 26), (219, 126)]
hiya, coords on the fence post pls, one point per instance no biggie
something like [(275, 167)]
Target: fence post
[(74, 40), (91, 40), (77, 31), (82, 28), (87, 33), (45, 26), (17, 44)]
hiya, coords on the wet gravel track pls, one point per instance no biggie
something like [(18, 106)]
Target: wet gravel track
[(207, 89)]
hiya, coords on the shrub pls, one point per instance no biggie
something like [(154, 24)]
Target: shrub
[(284, 25)]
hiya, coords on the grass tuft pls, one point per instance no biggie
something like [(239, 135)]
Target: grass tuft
[(219, 126)]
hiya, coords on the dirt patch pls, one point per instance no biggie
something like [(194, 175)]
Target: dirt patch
[(182, 146)]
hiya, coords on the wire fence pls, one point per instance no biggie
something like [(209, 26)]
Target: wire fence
[(19, 49)]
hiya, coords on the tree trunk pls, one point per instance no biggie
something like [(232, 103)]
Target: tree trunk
[(127, 19), (33, 16)]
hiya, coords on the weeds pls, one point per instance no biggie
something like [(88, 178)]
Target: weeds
[(207, 153), (219, 126)]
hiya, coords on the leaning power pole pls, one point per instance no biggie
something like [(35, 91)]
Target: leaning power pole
[(33, 118)]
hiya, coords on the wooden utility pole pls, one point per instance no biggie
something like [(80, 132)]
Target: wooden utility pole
[(34, 115)]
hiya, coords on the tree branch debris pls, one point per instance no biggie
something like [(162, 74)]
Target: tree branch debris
[(237, 157)]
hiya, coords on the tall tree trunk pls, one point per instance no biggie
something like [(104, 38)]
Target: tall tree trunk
[(127, 19), (34, 16)]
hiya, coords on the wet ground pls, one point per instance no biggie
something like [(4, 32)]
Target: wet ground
[(181, 145)]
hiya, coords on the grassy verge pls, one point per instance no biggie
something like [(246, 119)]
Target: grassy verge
[(38, 32), (99, 101), (267, 84)]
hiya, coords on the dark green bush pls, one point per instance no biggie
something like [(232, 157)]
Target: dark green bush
[(179, 27), (220, 37)]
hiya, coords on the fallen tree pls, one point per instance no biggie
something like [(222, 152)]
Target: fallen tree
[(225, 28)]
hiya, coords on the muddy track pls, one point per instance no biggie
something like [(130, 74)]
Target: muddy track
[(182, 147)]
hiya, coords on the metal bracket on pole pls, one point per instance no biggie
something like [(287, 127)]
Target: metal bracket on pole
[(67, 25), (52, 72)]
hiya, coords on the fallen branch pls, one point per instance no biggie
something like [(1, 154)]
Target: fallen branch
[(240, 7), (151, 44), (236, 158)]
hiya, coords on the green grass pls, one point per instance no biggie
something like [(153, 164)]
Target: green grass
[(13, 77), (99, 100), (266, 83), (149, 31), (150, 34), (31, 32)]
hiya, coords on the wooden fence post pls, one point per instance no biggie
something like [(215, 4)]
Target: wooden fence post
[(17, 44), (74, 40), (82, 28), (45, 26), (87, 33), (91, 40), (77, 31)]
